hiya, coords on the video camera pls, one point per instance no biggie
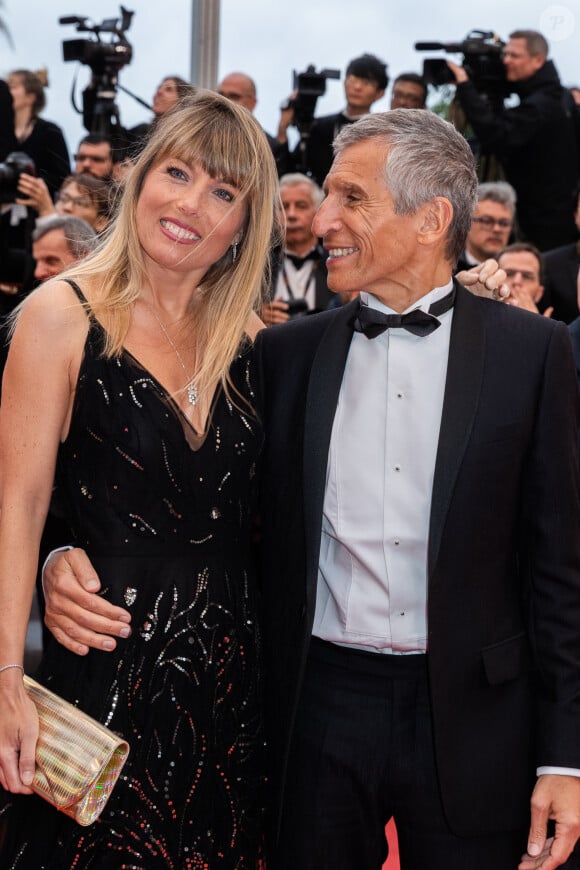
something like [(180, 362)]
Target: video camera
[(481, 50), (99, 56), (308, 86), (15, 164), (105, 59)]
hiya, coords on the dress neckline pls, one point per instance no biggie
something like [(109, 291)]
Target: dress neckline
[(194, 438)]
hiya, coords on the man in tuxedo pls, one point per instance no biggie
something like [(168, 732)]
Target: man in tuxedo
[(422, 526), (491, 225), (421, 523), (299, 272)]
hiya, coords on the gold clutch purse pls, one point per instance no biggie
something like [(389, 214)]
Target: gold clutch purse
[(78, 760)]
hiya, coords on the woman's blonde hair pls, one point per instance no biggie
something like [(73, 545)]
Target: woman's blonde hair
[(229, 144)]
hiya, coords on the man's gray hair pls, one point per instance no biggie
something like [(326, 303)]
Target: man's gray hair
[(426, 158), (498, 191), (80, 236), (536, 42), (299, 178)]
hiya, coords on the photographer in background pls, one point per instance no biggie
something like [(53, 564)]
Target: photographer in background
[(43, 142), (365, 83), (299, 276), (535, 141), (94, 156)]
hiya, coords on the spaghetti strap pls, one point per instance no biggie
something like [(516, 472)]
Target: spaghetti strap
[(81, 296)]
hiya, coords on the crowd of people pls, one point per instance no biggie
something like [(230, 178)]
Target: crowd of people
[(323, 501)]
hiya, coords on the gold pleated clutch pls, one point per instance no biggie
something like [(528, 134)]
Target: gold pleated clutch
[(78, 760)]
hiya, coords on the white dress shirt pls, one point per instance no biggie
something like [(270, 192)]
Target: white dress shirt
[(372, 578), (372, 573), (293, 283)]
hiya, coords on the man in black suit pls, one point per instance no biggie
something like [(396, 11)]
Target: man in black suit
[(562, 266), (536, 140), (421, 519), (491, 225), (422, 526)]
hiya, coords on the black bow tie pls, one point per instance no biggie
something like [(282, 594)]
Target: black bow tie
[(419, 322), (298, 262)]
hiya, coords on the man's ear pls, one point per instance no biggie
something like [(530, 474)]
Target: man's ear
[(435, 219)]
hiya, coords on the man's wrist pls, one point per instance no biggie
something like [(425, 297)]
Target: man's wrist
[(49, 557), (558, 771)]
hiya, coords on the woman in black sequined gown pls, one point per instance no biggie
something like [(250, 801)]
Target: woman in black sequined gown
[(157, 477)]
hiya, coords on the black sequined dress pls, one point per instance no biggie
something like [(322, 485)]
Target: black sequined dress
[(165, 521)]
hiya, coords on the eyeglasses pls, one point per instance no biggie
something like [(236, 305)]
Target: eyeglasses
[(407, 97), (92, 157), (80, 201), (489, 222), (526, 276)]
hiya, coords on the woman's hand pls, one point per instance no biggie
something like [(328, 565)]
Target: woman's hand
[(18, 734)]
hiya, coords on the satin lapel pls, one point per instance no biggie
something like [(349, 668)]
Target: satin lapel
[(462, 389), (321, 400)]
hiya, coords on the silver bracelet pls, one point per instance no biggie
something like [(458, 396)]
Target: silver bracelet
[(7, 668)]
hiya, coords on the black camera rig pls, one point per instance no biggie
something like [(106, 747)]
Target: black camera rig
[(308, 86), (481, 50), (105, 59), (11, 169)]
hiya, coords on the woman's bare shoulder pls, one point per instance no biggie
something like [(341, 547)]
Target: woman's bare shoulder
[(52, 305)]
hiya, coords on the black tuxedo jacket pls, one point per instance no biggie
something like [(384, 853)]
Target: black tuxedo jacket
[(504, 547)]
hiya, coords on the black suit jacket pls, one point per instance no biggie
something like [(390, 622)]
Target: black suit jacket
[(560, 281), (504, 547)]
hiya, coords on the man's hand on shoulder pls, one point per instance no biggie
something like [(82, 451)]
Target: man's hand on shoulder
[(76, 614), (487, 280)]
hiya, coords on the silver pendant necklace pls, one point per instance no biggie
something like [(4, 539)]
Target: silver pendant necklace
[(191, 389)]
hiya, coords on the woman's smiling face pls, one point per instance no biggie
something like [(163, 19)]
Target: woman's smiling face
[(186, 219)]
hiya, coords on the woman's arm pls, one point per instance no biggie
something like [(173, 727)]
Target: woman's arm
[(37, 396)]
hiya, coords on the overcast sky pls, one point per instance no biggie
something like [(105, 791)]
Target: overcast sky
[(269, 39)]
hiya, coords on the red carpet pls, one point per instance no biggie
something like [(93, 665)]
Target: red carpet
[(393, 859)]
